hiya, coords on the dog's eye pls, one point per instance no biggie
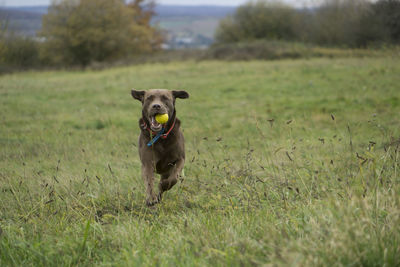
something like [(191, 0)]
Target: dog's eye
[(150, 98), (164, 98)]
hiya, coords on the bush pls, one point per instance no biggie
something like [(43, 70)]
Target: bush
[(340, 23), (336, 22), (258, 20), (270, 50), (261, 49), (85, 31), (18, 52), (387, 13)]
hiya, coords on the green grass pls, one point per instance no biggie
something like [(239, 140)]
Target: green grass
[(292, 162)]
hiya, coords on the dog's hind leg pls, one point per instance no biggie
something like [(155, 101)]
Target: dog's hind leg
[(169, 179)]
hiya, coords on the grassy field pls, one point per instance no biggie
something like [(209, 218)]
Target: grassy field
[(291, 162)]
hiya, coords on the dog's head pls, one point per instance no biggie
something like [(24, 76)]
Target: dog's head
[(158, 101)]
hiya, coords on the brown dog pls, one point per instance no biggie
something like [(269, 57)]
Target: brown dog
[(161, 147)]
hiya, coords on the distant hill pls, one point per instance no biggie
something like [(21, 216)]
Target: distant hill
[(30, 9), (187, 26), (193, 11), (23, 20), (190, 26)]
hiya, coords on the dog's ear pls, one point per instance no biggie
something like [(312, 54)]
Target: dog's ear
[(180, 94), (139, 95)]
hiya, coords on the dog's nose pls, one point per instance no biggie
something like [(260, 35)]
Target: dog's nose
[(156, 106)]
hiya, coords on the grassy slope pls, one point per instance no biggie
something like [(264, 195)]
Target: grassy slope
[(288, 191)]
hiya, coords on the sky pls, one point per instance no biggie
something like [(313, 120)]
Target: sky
[(164, 2)]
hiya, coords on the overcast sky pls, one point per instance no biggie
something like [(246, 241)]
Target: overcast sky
[(165, 2)]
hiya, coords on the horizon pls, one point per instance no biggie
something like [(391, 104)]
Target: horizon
[(230, 3)]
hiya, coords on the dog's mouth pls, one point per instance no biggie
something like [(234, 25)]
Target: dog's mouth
[(154, 125)]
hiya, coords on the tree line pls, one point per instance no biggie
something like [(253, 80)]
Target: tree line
[(339, 23), (83, 32)]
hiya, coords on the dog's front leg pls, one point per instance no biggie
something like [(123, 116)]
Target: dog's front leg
[(170, 179), (148, 178)]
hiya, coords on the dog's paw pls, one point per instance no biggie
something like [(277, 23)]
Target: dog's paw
[(151, 201)]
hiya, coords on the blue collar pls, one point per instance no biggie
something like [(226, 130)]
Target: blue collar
[(161, 133), (155, 138)]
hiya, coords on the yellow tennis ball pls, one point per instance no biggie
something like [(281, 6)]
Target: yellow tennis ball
[(162, 118)]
